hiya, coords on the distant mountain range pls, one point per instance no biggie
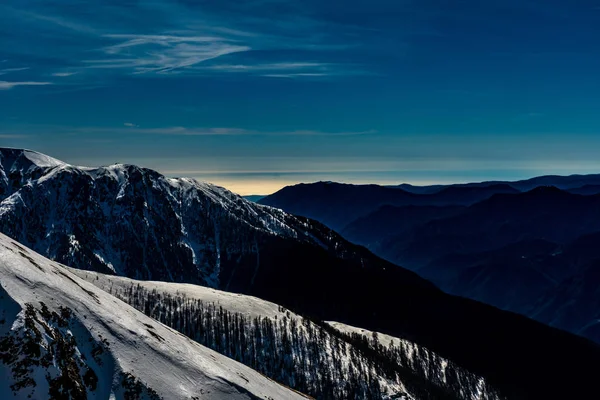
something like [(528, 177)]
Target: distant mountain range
[(337, 204), (505, 243), (560, 181), (134, 222)]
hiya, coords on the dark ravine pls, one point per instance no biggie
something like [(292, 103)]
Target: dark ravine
[(137, 223)]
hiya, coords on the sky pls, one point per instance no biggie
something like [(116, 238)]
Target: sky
[(258, 94)]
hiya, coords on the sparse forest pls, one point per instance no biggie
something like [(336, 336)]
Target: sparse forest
[(311, 356)]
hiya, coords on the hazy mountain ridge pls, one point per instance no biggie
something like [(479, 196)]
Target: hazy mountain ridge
[(337, 204), (565, 182)]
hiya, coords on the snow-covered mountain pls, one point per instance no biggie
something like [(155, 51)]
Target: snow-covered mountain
[(62, 337), (301, 353), (135, 222)]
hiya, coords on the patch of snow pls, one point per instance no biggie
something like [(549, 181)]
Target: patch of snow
[(42, 160), (104, 262)]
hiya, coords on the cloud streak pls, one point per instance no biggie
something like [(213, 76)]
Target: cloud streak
[(288, 69), (64, 74), (6, 85), (59, 21), (11, 70), (297, 75), (282, 66), (162, 53)]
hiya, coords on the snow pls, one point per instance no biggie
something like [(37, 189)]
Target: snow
[(233, 302), (161, 358), (41, 160), (25, 160), (10, 202), (388, 341), (385, 340)]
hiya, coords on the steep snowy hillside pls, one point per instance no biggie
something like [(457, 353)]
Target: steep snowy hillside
[(62, 337), (438, 369), (298, 352)]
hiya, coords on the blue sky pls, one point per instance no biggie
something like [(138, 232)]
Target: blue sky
[(258, 94)]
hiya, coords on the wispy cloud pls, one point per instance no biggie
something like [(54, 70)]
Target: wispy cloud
[(289, 69), (162, 53), (340, 72), (132, 40), (5, 85), (296, 75), (10, 70), (57, 20), (268, 67), (64, 74)]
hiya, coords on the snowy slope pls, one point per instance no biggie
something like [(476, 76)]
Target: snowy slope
[(385, 340), (92, 330), (255, 308), (440, 372), (233, 302), (351, 358)]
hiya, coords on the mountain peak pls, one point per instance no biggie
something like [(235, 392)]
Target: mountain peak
[(24, 159)]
